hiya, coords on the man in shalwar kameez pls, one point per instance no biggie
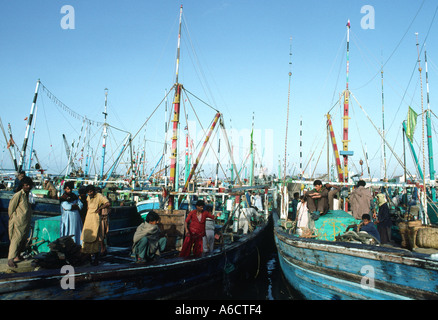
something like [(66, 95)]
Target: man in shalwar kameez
[(196, 231), (20, 215), (93, 233), (360, 200), (148, 239)]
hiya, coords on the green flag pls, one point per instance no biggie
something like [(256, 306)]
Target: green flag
[(411, 123)]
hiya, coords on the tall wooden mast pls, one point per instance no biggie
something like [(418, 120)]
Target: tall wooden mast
[(176, 112), (345, 153)]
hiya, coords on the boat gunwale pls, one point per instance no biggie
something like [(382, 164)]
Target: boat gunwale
[(395, 255), (91, 273), (392, 288)]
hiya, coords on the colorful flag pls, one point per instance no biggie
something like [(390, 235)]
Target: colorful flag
[(11, 143), (411, 123)]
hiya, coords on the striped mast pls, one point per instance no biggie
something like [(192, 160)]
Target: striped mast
[(187, 165), (29, 124), (105, 134), (383, 131), (424, 216), (287, 115), (335, 149), (198, 159), (345, 153), (29, 163), (284, 209), (251, 175), (429, 133), (175, 121), (11, 145)]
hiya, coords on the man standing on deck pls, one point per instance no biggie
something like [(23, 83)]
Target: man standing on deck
[(317, 199), (360, 200), (48, 185), (17, 183), (196, 230), (92, 233), (20, 215), (332, 191)]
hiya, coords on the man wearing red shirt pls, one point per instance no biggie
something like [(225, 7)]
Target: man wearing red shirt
[(196, 231)]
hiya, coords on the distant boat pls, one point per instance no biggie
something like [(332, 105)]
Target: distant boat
[(147, 205)]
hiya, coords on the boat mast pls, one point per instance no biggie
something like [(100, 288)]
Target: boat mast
[(287, 114), (251, 175), (383, 131), (105, 133), (175, 122), (187, 165), (31, 143), (11, 144), (429, 135), (345, 153), (198, 159), (29, 123), (422, 136), (335, 149)]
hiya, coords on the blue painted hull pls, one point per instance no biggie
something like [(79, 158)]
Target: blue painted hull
[(164, 279), (148, 205), (327, 270), (41, 206)]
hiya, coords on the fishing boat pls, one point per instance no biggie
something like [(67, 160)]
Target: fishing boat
[(336, 270), (118, 276), (329, 262)]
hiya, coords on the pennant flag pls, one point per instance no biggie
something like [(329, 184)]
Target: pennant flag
[(252, 132), (411, 123), (11, 143)]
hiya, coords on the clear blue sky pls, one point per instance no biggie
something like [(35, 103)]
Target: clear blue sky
[(242, 48)]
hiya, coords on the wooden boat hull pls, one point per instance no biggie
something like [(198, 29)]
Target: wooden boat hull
[(326, 270), (41, 206), (163, 279)]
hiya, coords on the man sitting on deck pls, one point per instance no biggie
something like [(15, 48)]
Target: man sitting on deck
[(369, 227), (148, 239), (320, 196)]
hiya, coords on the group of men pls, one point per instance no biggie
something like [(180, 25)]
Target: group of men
[(149, 241), (321, 199), (20, 215)]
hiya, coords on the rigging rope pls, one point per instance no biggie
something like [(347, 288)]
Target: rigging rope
[(396, 47), (390, 148), (62, 105)]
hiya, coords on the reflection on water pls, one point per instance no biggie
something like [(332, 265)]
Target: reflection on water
[(267, 283)]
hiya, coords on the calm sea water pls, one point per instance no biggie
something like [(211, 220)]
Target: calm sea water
[(268, 283)]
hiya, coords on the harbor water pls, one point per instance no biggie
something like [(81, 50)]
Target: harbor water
[(267, 283)]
